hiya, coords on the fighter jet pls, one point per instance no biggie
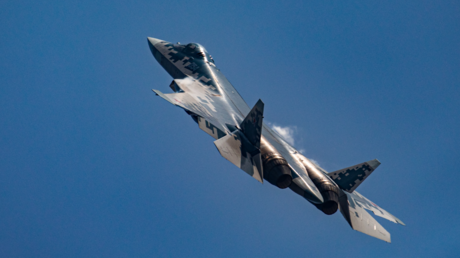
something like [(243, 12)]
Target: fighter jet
[(245, 140)]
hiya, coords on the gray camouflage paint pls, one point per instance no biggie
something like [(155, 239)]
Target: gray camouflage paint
[(236, 148), (206, 94), (210, 128), (252, 124), (350, 178)]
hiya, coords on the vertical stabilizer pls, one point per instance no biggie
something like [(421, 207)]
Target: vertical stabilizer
[(252, 124), (350, 178)]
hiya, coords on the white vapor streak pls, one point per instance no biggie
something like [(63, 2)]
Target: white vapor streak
[(314, 161), (287, 132)]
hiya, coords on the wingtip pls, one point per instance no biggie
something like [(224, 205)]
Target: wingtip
[(374, 163), (400, 222)]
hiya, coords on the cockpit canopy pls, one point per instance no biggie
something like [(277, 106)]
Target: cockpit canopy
[(198, 51)]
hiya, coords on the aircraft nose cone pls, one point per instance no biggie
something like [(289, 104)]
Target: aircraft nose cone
[(156, 46), (153, 41)]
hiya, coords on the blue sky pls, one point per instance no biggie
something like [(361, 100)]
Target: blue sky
[(93, 164)]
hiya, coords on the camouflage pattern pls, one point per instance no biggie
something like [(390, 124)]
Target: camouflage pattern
[(210, 128), (360, 220), (236, 148), (352, 207), (211, 100), (350, 178), (365, 203), (252, 124)]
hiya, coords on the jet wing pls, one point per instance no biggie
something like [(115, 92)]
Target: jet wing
[(195, 98)]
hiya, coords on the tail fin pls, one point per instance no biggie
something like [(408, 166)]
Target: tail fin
[(350, 178), (242, 147), (252, 124)]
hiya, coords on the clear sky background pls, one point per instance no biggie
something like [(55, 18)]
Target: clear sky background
[(93, 164)]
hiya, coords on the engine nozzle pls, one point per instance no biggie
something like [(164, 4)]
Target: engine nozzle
[(326, 187), (276, 170), (330, 197)]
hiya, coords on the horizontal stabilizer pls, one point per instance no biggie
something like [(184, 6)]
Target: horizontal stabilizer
[(350, 178), (353, 205), (236, 148), (360, 200), (360, 220)]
